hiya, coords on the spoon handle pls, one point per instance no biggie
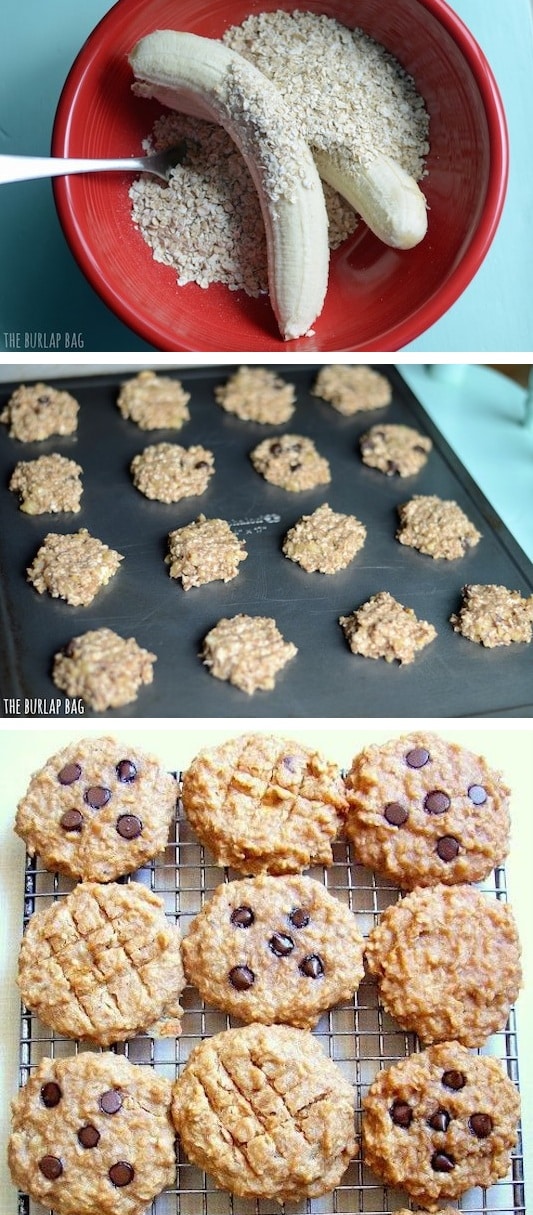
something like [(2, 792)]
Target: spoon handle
[(26, 168)]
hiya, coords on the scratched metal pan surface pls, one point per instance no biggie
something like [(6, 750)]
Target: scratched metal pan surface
[(450, 677)]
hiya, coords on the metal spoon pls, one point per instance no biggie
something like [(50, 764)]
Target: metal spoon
[(25, 168)]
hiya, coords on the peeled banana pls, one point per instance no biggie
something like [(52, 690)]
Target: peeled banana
[(383, 194), (203, 77)]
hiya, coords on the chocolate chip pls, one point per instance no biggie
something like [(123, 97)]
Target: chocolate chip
[(201, 464), (437, 802), (453, 1079), (395, 814), (126, 771), (111, 1101), (242, 917), (88, 1136), (417, 758), (69, 649), (97, 796), (447, 848), (71, 820), (276, 449), (69, 774), (391, 468), (121, 1173), (481, 1125), (129, 827), (281, 945), (295, 446), (442, 1163), (477, 794), (44, 399), (290, 762), (312, 966), (241, 978), (299, 917), (294, 466), (440, 1120), (51, 1094), (51, 1167), (401, 1114)]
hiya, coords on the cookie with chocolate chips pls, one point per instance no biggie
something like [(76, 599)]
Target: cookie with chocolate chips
[(292, 462), (92, 1134), (97, 810), (423, 811), (395, 450), (440, 1122), (274, 949)]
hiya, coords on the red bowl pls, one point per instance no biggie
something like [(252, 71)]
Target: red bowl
[(378, 298)]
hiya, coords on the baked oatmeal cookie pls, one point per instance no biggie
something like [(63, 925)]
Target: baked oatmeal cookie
[(103, 964), (424, 811), (447, 962), (440, 1122), (274, 949), (494, 615), (384, 628), (436, 527), (325, 541), (73, 567), (292, 462), (256, 394), (266, 1113), (395, 449), (264, 804), (167, 472), (102, 668), (247, 651), (92, 1135), (154, 402), (47, 485), (37, 411), (352, 389), (206, 550), (97, 810)]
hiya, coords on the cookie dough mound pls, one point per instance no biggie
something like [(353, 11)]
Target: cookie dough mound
[(352, 389), (47, 485), (97, 810), (247, 651), (266, 1113), (274, 949), (395, 449), (324, 541), (102, 668), (494, 615), (440, 1122), (204, 551), (103, 964), (424, 811), (37, 412), (436, 527), (292, 462), (265, 804), (167, 472), (257, 395), (447, 962), (92, 1135), (154, 402), (384, 628), (73, 567)]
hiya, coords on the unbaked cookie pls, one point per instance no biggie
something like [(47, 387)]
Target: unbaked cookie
[(352, 389), (494, 615), (204, 551), (247, 651), (292, 462), (325, 541), (38, 411), (47, 485), (103, 964), (97, 809), (256, 394), (440, 1122), (423, 811), (447, 962), (266, 1113), (92, 1135), (436, 527), (274, 949), (102, 668), (167, 472), (395, 449), (154, 402), (264, 804), (384, 628), (73, 567)]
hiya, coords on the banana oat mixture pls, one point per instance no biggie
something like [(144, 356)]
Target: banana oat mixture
[(292, 462), (352, 390), (384, 628), (436, 527), (206, 550), (395, 449), (494, 615), (154, 402), (325, 541), (167, 472), (247, 651), (48, 485), (73, 567), (256, 394), (37, 411), (103, 668)]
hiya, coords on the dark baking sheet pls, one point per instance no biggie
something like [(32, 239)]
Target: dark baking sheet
[(451, 677)]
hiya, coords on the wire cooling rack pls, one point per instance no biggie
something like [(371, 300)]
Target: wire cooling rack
[(360, 1036)]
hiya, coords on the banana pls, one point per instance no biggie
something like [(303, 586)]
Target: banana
[(384, 195), (203, 77)]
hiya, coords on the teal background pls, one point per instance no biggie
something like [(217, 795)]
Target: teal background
[(41, 288)]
